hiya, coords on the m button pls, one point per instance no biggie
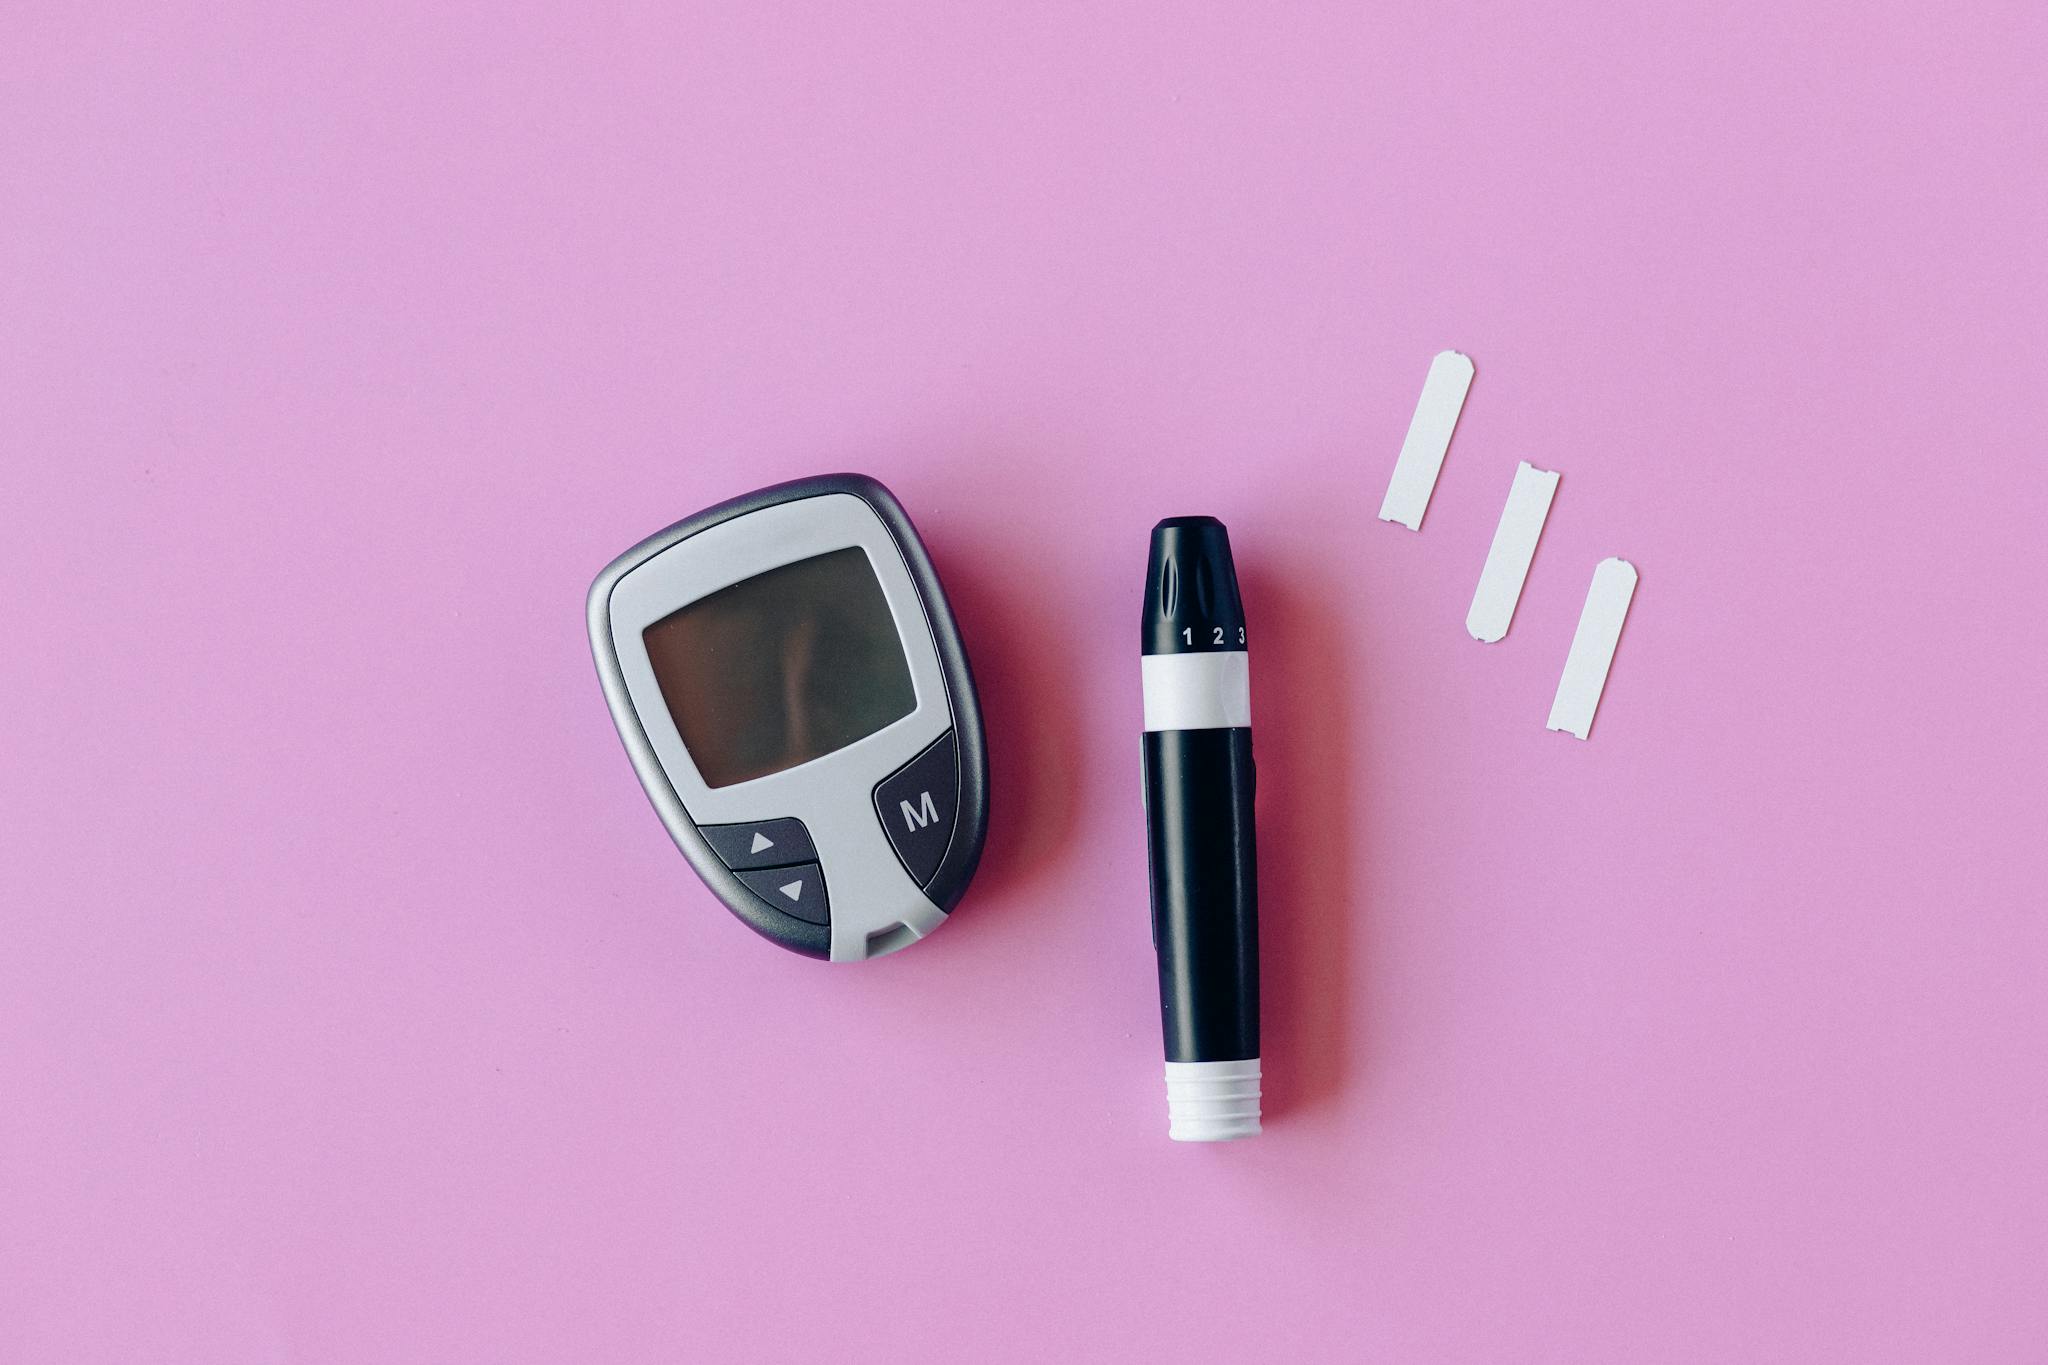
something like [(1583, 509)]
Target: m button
[(916, 806)]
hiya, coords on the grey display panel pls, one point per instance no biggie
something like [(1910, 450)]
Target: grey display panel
[(782, 668)]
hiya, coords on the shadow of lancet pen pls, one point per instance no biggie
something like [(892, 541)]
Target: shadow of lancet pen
[(1028, 703), (1304, 742)]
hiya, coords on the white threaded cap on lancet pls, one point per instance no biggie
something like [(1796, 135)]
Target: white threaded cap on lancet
[(1212, 1101)]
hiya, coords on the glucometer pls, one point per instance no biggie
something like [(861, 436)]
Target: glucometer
[(791, 687)]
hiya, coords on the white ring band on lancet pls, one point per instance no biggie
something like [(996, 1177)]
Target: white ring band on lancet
[(1210, 691)]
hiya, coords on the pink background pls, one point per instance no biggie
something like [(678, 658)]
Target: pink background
[(355, 1007)]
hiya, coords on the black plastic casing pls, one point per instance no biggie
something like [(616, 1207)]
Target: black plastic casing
[(1200, 787), (970, 824)]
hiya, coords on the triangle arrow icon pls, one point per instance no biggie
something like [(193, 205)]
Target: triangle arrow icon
[(793, 890), (761, 841)]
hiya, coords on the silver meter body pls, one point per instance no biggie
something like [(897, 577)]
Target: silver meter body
[(791, 688)]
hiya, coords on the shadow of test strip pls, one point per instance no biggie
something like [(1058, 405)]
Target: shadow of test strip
[(1514, 545), (1429, 436), (1592, 652)]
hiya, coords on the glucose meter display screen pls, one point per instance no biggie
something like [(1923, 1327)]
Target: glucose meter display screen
[(782, 668)]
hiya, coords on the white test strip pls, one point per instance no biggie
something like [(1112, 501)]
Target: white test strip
[(1429, 436), (1585, 668), (1514, 545)]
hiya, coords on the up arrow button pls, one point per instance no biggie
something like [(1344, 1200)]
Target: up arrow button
[(760, 843)]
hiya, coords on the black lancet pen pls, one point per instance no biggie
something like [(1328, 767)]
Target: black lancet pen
[(1198, 816)]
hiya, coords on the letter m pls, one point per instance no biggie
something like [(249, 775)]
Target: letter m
[(918, 816)]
